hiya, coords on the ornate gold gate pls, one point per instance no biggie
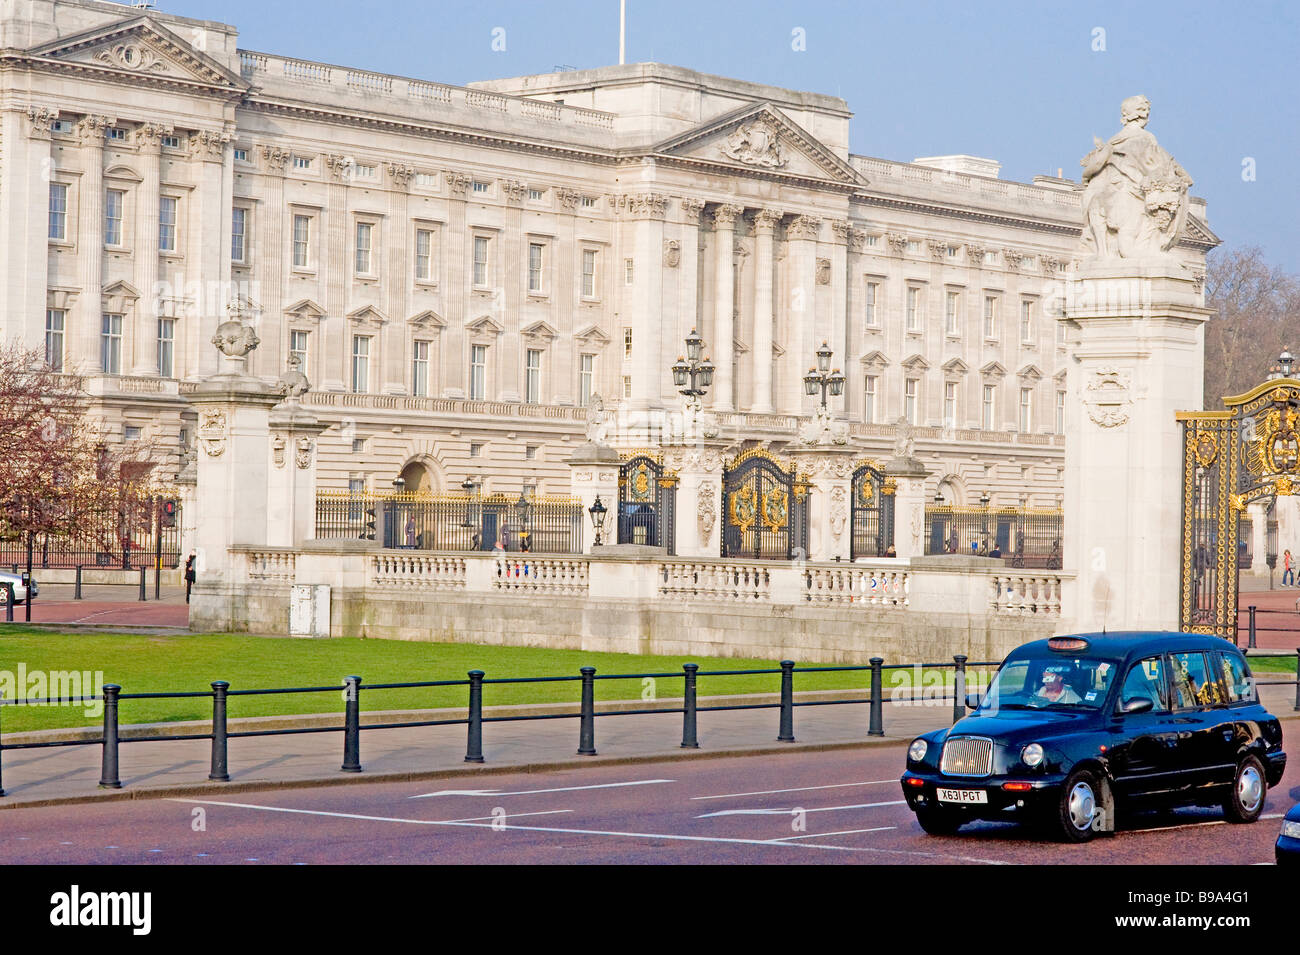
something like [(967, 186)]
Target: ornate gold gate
[(1250, 452)]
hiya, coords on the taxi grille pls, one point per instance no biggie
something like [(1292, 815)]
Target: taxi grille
[(967, 756)]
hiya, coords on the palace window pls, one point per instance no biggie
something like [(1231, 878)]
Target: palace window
[(365, 237), (533, 376), (477, 371), (420, 370), (627, 342), (167, 224), (58, 211), (586, 379), (1060, 334), (480, 187), (301, 162), (627, 386), (55, 325), (360, 363), (172, 142), (115, 133), (535, 194), (1060, 412), (238, 233), (987, 411), (480, 260), (913, 309), (1026, 410), (950, 404), (588, 273), (301, 240), (990, 316), (298, 347), (534, 266), (1027, 322), (951, 315), (873, 295), (869, 399), (167, 347), (588, 202), (424, 255), (241, 155), (114, 204), (110, 345), (363, 171), (910, 388), (628, 272)]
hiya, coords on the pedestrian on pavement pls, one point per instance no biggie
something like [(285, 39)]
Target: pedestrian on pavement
[(1287, 569), (190, 574)]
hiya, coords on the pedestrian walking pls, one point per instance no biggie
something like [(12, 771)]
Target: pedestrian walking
[(190, 575), (1288, 570)]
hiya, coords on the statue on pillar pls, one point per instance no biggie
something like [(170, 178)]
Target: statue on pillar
[(293, 380), (1135, 195)]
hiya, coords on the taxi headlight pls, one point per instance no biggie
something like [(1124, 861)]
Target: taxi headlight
[(1291, 829), (1032, 755), (916, 752)]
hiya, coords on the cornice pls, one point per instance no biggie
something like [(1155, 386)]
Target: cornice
[(17, 62)]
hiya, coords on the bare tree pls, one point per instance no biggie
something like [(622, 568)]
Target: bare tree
[(1256, 306)]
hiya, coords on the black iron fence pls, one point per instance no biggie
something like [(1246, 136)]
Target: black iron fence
[(465, 522), (1022, 537), (145, 534)]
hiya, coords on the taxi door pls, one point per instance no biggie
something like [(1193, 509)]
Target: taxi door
[(1142, 757), (1206, 735)]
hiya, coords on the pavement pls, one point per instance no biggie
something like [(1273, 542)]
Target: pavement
[(108, 605)]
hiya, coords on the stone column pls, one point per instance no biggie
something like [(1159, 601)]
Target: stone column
[(645, 314), (455, 383), (724, 304), (335, 260), (688, 305), (269, 264), (397, 265), (208, 249), (839, 335), (765, 221), (90, 133), (144, 351), (699, 499), (801, 236), (1139, 358), (291, 475), (24, 245), (907, 475), (829, 471), (594, 473)]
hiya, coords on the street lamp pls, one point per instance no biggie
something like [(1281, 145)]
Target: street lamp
[(984, 503), (821, 377), (468, 487), (691, 375), (597, 512)]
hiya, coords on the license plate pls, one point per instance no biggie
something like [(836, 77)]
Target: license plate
[(962, 795)]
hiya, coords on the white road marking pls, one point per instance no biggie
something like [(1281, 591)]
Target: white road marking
[(1272, 815), (842, 832), (1184, 825), (533, 792), (787, 812), (586, 832), (800, 789), (513, 815)]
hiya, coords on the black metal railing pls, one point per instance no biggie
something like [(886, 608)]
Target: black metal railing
[(455, 522), (144, 535), (1022, 537)]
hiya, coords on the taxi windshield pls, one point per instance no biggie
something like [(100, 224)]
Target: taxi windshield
[(1053, 681)]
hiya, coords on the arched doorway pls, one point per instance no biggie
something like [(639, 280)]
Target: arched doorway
[(421, 477)]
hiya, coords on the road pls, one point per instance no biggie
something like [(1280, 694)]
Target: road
[(841, 806)]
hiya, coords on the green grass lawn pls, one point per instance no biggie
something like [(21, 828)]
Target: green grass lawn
[(179, 663)]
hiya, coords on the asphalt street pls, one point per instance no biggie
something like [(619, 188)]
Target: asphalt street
[(840, 806)]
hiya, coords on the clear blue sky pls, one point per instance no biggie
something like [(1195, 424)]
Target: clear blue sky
[(1017, 82)]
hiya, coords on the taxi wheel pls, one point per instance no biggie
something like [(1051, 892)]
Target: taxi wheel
[(1077, 806), (939, 821), (1249, 787)]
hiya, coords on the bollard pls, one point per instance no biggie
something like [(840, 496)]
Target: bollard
[(689, 740), (9, 603), (474, 751), (877, 726), (220, 771), (1297, 679), (1251, 644), (76, 594), (959, 688), (108, 778), (352, 726), (27, 604), (587, 723), (2, 752), (143, 595), (786, 734)]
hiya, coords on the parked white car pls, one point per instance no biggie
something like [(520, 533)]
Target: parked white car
[(16, 582)]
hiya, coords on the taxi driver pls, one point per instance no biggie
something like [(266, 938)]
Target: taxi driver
[(1054, 688)]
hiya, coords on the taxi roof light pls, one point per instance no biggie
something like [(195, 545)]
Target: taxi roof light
[(1067, 643)]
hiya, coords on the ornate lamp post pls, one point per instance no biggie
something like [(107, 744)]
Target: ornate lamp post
[(597, 512), (692, 375), (1285, 365), (985, 500), (830, 382), (468, 487)]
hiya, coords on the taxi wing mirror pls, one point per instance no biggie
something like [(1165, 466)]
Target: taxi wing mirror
[(972, 701), (1137, 704)]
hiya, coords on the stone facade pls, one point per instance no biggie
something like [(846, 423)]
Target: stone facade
[(464, 268)]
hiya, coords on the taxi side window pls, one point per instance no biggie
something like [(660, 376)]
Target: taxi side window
[(1146, 681), (1239, 685), (1194, 685)]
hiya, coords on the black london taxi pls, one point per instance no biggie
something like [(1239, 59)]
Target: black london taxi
[(1287, 848), (1073, 726)]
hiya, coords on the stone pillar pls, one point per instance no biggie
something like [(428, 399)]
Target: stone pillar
[(645, 309), (594, 473), (801, 339), (765, 221), (291, 475), (699, 499), (269, 265), (724, 304), (396, 263), (453, 353), (839, 334), (335, 262), (233, 463), (688, 303), (208, 249), (908, 477), (829, 471), (1139, 358), (90, 133), (144, 351), (24, 244)]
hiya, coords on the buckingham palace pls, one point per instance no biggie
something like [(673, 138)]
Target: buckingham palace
[(461, 273)]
